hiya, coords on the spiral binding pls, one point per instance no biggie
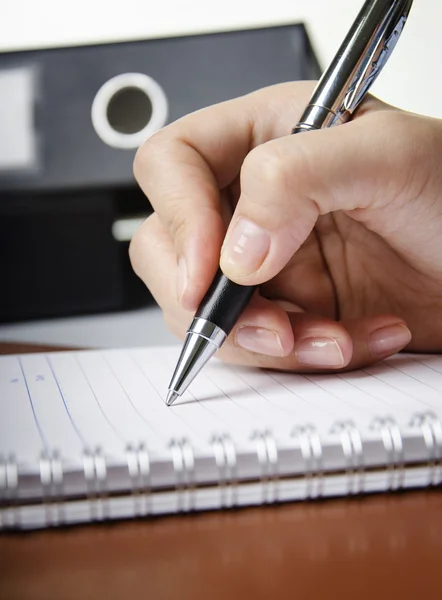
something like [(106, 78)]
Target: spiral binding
[(95, 474), (351, 441), (51, 479), (267, 452), (431, 428), (225, 457), (306, 437), (394, 448), (138, 465), (311, 449), (9, 516), (183, 462)]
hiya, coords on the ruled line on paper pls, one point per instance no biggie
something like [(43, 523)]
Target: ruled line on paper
[(420, 381), (285, 411), (307, 402), (123, 389), (40, 430), (415, 379), (71, 419), (427, 365), (390, 385), (219, 424), (386, 366), (340, 398), (111, 425), (369, 394), (226, 395), (153, 386), (145, 375), (299, 397)]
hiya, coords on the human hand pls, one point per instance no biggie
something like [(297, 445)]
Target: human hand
[(340, 228)]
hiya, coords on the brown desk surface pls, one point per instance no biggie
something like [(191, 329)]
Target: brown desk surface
[(385, 546)]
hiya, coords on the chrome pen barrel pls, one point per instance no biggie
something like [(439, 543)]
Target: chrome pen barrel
[(357, 64)]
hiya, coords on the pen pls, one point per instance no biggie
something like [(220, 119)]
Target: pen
[(342, 87)]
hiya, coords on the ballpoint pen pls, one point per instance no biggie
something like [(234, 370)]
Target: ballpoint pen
[(342, 87)]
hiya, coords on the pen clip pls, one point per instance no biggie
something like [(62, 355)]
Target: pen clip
[(376, 57)]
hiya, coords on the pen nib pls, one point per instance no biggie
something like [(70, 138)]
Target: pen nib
[(171, 397)]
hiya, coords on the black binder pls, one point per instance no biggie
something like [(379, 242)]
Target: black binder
[(58, 254)]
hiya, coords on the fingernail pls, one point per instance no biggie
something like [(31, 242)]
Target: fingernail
[(389, 339), (246, 248), (261, 341), (319, 352), (181, 281)]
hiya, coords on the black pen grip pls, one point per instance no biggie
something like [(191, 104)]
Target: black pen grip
[(224, 302)]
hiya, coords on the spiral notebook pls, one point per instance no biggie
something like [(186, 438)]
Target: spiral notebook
[(86, 436)]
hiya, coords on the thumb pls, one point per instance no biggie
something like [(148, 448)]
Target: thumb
[(286, 184)]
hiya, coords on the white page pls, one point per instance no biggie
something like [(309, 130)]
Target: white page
[(108, 399), (49, 408), (19, 434)]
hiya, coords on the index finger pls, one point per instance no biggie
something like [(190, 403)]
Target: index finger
[(183, 169)]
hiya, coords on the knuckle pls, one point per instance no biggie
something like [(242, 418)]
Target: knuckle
[(138, 246), (147, 153), (266, 164), (178, 223), (278, 173), (135, 252)]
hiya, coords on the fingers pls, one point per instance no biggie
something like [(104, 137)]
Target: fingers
[(286, 184), (375, 338), (183, 168), (267, 335), (185, 195), (322, 345)]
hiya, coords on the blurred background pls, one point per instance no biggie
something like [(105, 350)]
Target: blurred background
[(82, 84)]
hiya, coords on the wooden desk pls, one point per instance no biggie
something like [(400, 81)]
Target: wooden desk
[(385, 546)]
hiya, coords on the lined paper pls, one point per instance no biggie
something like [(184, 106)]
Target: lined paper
[(72, 401)]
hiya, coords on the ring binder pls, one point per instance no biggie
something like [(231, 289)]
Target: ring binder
[(267, 452), (51, 479), (351, 441), (226, 462), (431, 428), (311, 449), (392, 440), (9, 517), (138, 465), (95, 473), (183, 462)]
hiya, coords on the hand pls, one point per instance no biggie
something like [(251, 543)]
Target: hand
[(340, 228)]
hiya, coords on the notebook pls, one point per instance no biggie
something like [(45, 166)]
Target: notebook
[(86, 436)]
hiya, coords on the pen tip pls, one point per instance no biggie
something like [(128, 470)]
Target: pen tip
[(171, 397)]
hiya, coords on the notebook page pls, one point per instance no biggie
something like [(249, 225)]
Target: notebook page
[(18, 429), (72, 401)]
